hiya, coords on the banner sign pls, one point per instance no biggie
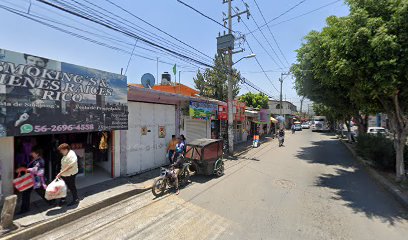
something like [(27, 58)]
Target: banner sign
[(264, 116), (43, 96), (203, 110)]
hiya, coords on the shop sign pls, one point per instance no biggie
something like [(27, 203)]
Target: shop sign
[(144, 130), (43, 96), (203, 110), (264, 116)]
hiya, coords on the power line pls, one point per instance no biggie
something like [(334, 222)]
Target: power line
[(252, 85), (128, 33), (125, 22), (259, 64), (104, 36), (306, 13), (202, 14), (280, 15), (162, 31), (270, 45), (31, 17), (269, 29)]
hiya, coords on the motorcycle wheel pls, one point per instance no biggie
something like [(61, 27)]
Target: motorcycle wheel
[(220, 171), (159, 186), (185, 176)]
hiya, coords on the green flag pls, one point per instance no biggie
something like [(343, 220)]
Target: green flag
[(174, 69)]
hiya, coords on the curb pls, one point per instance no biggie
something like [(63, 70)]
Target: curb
[(249, 147), (31, 232), (386, 184)]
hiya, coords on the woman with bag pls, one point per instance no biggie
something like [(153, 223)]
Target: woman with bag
[(36, 169), (69, 170)]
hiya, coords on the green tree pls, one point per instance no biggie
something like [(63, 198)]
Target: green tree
[(366, 54), (212, 82), (257, 100)]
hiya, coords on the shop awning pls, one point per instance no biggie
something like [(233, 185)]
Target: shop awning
[(251, 113), (274, 120)]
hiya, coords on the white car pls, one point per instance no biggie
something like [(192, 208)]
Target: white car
[(305, 125), (377, 130)]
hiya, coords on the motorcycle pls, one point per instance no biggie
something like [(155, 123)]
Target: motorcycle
[(167, 179)]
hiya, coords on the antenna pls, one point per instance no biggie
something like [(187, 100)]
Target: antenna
[(148, 80)]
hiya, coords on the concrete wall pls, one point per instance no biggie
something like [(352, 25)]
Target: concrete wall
[(288, 108), (7, 165), (116, 153)]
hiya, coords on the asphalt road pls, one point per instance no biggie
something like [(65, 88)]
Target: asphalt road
[(309, 189)]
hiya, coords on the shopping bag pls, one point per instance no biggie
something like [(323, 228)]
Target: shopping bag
[(56, 189), (22, 183)]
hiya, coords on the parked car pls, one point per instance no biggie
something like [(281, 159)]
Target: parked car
[(305, 125), (377, 130)]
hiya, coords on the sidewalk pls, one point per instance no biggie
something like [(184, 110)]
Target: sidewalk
[(243, 147), (400, 194), (42, 218)]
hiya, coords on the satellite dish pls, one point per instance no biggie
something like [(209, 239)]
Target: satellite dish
[(148, 80)]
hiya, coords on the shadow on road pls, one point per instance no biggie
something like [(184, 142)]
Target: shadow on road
[(351, 182)]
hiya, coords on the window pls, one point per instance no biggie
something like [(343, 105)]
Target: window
[(278, 106)]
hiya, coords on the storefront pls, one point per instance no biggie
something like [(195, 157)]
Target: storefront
[(239, 122), (50, 103), (93, 149), (199, 123), (252, 122), (223, 120)]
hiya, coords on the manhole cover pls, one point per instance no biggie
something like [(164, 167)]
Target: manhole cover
[(283, 183)]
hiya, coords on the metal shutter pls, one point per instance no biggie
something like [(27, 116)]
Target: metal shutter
[(195, 129)]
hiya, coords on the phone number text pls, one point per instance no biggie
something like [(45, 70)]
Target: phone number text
[(63, 128)]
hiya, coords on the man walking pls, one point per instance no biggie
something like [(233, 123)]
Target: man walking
[(171, 148)]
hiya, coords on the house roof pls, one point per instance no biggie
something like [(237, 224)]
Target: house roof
[(177, 89), (140, 94)]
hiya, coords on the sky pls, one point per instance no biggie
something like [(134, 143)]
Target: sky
[(24, 35)]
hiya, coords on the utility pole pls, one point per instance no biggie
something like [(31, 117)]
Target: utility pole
[(229, 75), (280, 98), (230, 95), (157, 71), (281, 83), (301, 104)]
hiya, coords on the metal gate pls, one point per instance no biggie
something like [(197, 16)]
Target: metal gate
[(145, 149), (196, 129)]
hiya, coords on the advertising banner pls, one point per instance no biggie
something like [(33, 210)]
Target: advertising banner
[(43, 96), (264, 116), (203, 110)]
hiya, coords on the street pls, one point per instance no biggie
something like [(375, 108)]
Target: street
[(309, 189)]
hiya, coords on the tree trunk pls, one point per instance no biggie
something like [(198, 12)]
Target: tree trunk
[(399, 145), (362, 127), (399, 126)]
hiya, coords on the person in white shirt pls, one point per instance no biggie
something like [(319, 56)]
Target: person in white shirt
[(69, 170)]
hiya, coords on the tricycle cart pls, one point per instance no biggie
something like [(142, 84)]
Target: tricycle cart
[(206, 156)]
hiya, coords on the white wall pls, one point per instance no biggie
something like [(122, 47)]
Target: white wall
[(7, 165), (288, 108)]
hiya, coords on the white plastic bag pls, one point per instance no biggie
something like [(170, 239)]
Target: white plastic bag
[(56, 189)]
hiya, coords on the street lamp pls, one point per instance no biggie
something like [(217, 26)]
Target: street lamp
[(249, 56), (231, 105)]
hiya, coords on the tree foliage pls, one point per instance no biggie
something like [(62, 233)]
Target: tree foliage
[(255, 100), (361, 61), (213, 83)]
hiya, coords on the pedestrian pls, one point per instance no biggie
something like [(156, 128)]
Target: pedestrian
[(171, 148), (183, 140), (69, 170), (36, 168)]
